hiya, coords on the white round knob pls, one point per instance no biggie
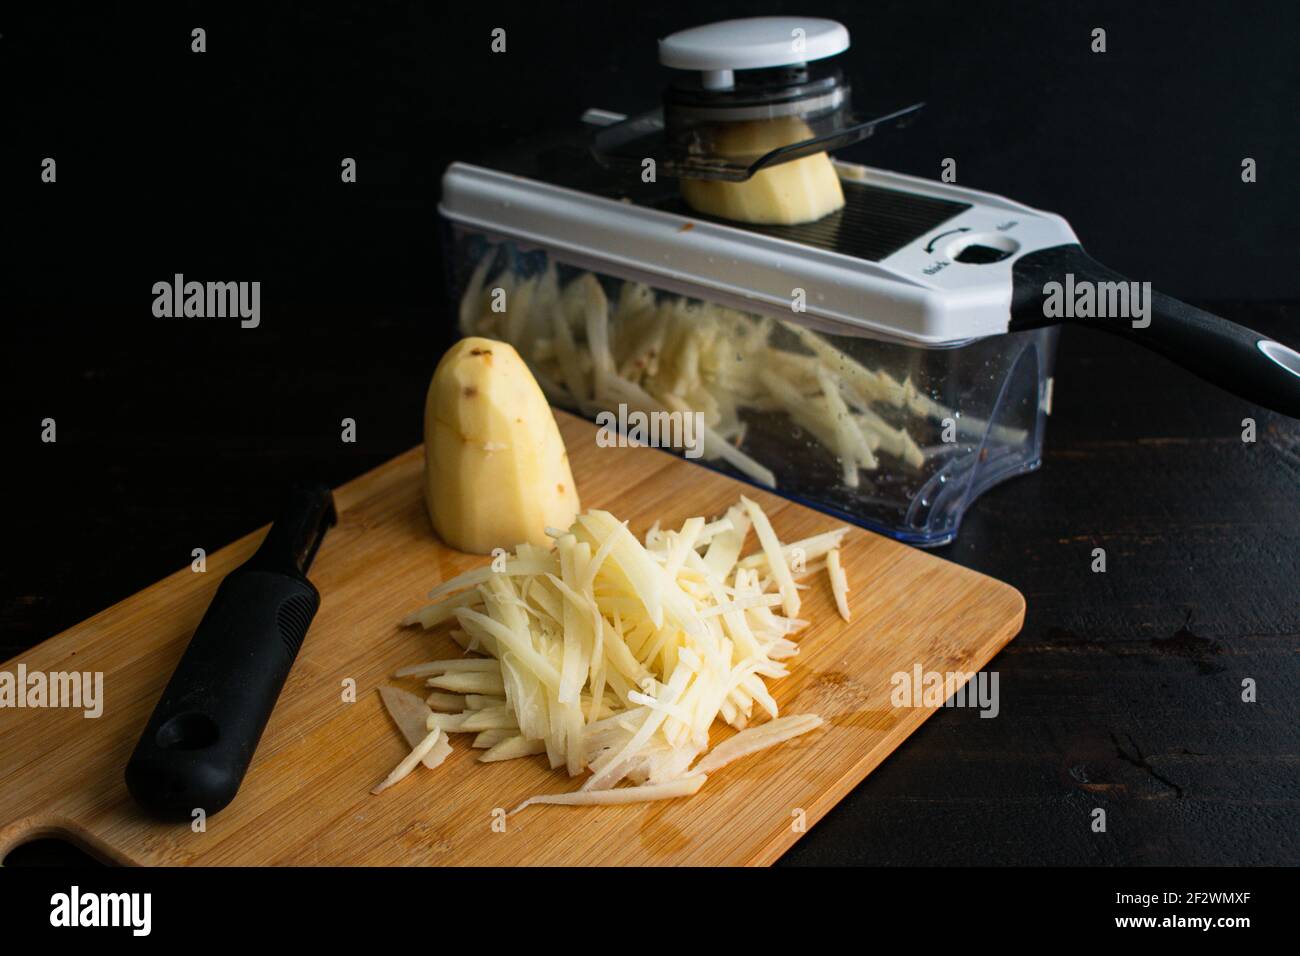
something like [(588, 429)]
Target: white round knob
[(753, 43)]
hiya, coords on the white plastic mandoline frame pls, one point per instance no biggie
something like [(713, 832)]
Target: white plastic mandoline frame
[(920, 294)]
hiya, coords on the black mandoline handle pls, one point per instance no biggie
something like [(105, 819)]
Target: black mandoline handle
[(1231, 356), (198, 743)]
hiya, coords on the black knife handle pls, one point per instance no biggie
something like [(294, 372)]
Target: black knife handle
[(1232, 356), (200, 740)]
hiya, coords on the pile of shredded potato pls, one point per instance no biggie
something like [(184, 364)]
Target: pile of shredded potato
[(670, 354), (614, 656)]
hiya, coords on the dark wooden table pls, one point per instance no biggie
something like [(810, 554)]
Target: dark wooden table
[(1123, 692)]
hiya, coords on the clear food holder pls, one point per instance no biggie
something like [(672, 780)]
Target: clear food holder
[(817, 361)]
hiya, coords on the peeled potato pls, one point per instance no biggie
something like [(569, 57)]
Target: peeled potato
[(803, 190), (496, 470)]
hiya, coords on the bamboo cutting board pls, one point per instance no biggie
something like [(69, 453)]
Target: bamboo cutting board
[(306, 798)]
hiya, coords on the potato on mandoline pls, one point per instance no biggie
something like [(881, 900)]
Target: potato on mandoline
[(799, 191)]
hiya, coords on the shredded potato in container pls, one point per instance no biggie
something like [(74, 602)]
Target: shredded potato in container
[(615, 656), (660, 353)]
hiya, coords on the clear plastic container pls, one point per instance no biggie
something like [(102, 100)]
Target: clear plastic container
[(895, 437)]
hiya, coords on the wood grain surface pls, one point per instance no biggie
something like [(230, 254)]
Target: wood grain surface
[(306, 799)]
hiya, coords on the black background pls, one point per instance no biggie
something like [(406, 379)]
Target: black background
[(225, 165)]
